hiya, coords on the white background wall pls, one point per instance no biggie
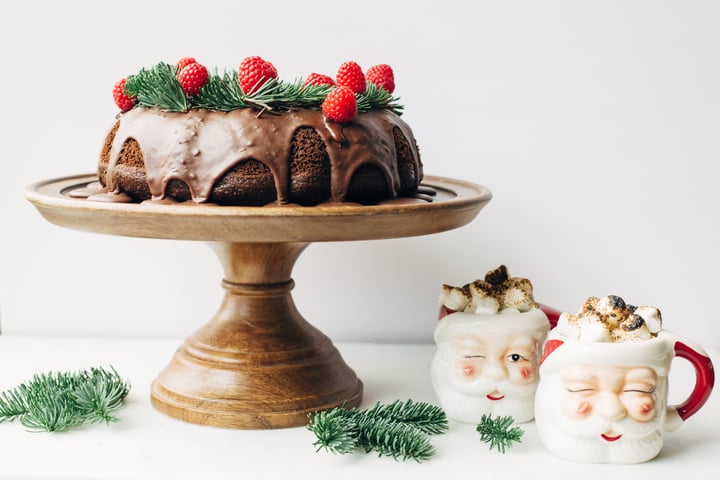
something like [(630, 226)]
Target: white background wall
[(594, 123)]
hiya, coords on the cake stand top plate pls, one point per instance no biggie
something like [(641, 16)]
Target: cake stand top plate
[(457, 203)]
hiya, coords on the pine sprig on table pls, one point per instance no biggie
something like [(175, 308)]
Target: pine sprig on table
[(398, 430), (423, 416), (498, 432), (55, 402), (336, 430), (394, 439)]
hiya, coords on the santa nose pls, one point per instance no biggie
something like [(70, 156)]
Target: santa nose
[(609, 407), (495, 370)]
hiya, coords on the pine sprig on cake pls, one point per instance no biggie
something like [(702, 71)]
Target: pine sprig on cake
[(188, 85), (157, 87)]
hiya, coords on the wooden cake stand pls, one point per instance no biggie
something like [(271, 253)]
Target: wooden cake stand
[(257, 363)]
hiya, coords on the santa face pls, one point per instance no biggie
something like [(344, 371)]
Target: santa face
[(602, 414), (476, 374)]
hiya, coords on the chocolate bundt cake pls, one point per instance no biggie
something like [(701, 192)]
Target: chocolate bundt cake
[(281, 144)]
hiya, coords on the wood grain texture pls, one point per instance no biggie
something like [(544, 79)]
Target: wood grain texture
[(257, 363)]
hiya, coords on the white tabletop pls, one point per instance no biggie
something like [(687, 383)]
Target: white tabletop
[(148, 445)]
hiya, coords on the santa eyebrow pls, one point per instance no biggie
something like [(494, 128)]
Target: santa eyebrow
[(575, 376), (523, 343), (643, 376)]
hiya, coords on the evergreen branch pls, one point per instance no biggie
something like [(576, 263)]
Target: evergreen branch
[(13, 404), (498, 433), (398, 430), (220, 93), (100, 395), (276, 95), (223, 93), (336, 430), (49, 410), (423, 416), (157, 87), (394, 439), (375, 97), (59, 401)]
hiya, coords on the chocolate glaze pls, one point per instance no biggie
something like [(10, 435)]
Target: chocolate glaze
[(199, 146)]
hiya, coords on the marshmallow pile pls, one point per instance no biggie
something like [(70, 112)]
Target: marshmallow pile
[(610, 319), (497, 292)]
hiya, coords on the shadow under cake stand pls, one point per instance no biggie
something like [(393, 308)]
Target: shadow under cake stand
[(257, 363)]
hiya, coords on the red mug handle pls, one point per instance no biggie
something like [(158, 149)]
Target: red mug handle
[(551, 313), (704, 379)]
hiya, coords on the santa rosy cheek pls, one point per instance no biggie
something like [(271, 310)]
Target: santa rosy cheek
[(469, 371), (583, 408), (526, 372)]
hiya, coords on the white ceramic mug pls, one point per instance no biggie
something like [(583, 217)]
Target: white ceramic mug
[(487, 363), (606, 402)]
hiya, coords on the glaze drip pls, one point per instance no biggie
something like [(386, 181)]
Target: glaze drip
[(200, 146)]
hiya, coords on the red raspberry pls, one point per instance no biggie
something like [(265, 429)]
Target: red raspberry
[(122, 100), (253, 73), (340, 105), (382, 76), (316, 79), (192, 78), (351, 75), (184, 62)]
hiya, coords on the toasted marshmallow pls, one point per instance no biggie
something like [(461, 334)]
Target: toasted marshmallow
[(454, 298), (482, 300), (567, 326), (495, 293), (610, 319), (652, 318)]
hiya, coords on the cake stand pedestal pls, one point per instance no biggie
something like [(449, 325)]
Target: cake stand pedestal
[(257, 363)]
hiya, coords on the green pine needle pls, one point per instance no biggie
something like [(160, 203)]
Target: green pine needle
[(158, 87), (221, 92), (423, 416), (375, 97), (394, 439), (336, 430), (498, 432), (398, 430), (55, 402)]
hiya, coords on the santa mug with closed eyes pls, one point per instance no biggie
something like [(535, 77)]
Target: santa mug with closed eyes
[(607, 402)]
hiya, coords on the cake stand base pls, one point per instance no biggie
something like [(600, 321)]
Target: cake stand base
[(257, 363)]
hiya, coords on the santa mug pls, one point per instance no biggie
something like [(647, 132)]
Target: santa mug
[(607, 402), (487, 363)]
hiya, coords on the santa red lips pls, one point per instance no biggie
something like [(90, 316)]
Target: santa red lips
[(495, 396), (610, 437)]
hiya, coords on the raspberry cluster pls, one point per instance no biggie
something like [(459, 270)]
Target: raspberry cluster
[(340, 103)]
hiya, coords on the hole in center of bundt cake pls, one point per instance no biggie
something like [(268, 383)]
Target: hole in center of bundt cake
[(309, 169)]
